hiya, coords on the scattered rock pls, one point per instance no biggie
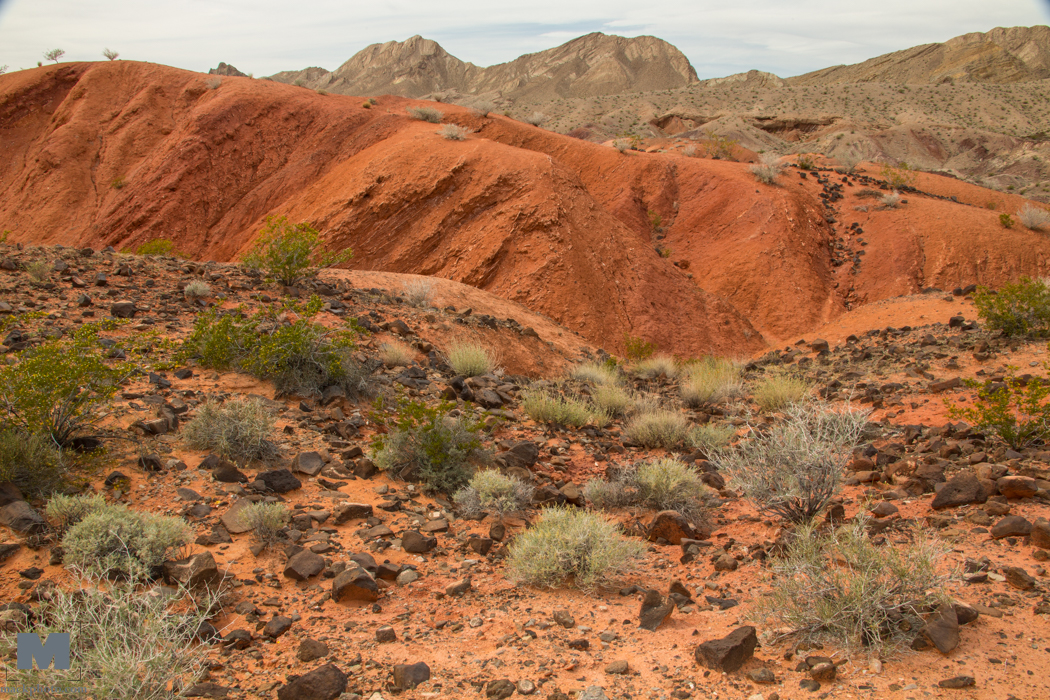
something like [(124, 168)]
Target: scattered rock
[(324, 683), (655, 609), (499, 689), (355, 584), (278, 625), (730, 652), (309, 463), (311, 649), (942, 629), (386, 634), (196, 570), (1011, 526), (564, 618), (1018, 578), (21, 517), (408, 676), (672, 526), (279, 480), (961, 489), (304, 565), (414, 542), (619, 667), (958, 682), (1017, 486), (762, 675)]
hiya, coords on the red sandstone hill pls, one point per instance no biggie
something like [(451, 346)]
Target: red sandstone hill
[(120, 153)]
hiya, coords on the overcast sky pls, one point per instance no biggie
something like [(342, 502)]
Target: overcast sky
[(720, 37)]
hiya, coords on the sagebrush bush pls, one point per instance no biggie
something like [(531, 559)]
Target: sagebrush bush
[(712, 380), (59, 388), (290, 252), (115, 541), (835, 586), (890, 200), (32, 462), (133, 643), (1034, 218), (622, 145), (710, 437), (491, 491), (536, 118), (656, 366), (776, 391), (569, 546), (1016, 412), (425, 114), (266, 520), (659, 484), (470, 359), (768, 170), (417, 293), (63, 512), (544, 406), (427, 445), (611, 399), (395, 354), (657, 428), (454, 132), (238, 430), (596, 373), (794, 468), (1018, 308), (197, 289), (38, 271)]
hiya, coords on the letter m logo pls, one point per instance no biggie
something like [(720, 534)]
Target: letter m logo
[(54, 651)]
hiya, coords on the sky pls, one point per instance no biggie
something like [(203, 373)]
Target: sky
[(262, 37)]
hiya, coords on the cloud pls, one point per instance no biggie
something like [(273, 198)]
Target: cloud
[(266, 36)]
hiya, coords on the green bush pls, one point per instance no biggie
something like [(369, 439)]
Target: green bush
[(780, 390), (710, 437), (426, 444), (266, 520), (290, 252), (1006, 221), (60, 387), (491, 491), (117, 541), (611, 399), (1019, 308), (126, 643), (660, 484), (1016, 412), (636, 349), (158, 246), (568, 546), (31, 462), (835, 586), (658, 428), (66, 511), (238, 430), (544, 406), (220, 340), (470, 359)]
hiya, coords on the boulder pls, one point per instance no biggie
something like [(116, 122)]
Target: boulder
[(730, 652), (309, 463), (672, 526), (942, 629), (21, 517), (414, 542), (655, 609), (304, 565), (1011, 526), (961, 489), (355, 584), (279, 480), (408, 676), (195, 570), (1017, 486), (324, 683)]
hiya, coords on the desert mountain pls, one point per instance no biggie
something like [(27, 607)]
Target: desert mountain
[(687, 252), (1003, 55), (595, 64)]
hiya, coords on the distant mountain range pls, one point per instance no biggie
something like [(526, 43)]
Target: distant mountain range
[(597, 65)]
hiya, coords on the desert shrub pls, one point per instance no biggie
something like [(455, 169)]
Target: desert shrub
[(689, 151), (1018, 308), (197, 289), (133, 643), (596, 373), (38, 271), (425, 114), (491, 491), (427, 445), (267, 520), (395, 354), (568, 546), (835, 586), (656, 366), (849, 162), (768, 170), (470, 359), (454, 132), (238, 429), (1016, 412), (302, 356), (806, 161), (110, 54), (1006, 221), (220, 340), (711, 380), (720, 147), (657, 428), (898, 177), (637, 348), (482, 108), (417, 293), (890, 200), (622, 145), (660, 484), (158, 246), (611, 399), (794, 468), (605, 494), (544, 406), (778, 390), (117, 541), (60, 387), (710, 437), (290, 252), (64, 512), (31, 462), (1034, 218), (536, 118)]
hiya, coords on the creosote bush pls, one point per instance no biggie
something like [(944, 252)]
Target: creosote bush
[(659, 484), (454, 132), (137, 644), (428, 445), (568, 546), (289, 252), (836, 587), (32, 462), (266, 520), (768, 170), (238, 430), (115, 541), (1034, 218), (657, 428), (491, 491), (1016, 412), (1018, 308), (712, 380), (794, 468), (470, 359), (780, 390), (425, 114)]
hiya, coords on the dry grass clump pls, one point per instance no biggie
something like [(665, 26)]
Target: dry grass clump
[(779, 390), (890, 200), (267, 520), (611, 399), (597, 373), (622, 145), (417, 293), (835, 586), (482, 108), (712, 380), (454, 132), (32, 462), (794, 468), (425, 114), (710, 437), (470, 359), (1034, 218), (655, 367), (657, 428), (395, 354), (661, 484), (545, 406), (569, 546), (197, 289), (536, 118), (238, 430), (491, 491), (39, 271), (768, 170)]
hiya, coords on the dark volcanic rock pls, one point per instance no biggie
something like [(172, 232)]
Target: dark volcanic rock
[(730, 652), (324, 683)]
